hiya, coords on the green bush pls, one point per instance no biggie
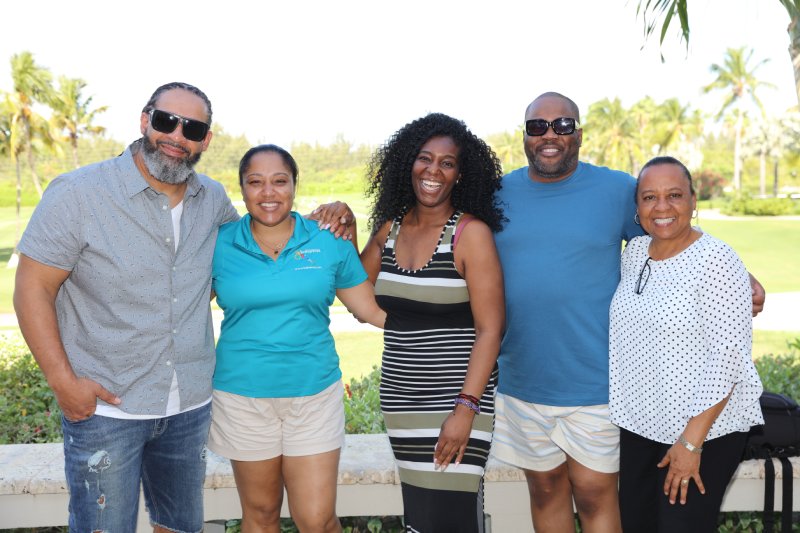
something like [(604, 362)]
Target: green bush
[(708, 184), (781, 373), (762, 207), (350, 524), (28, 410), (29, 413), (362, 404), (748, 522)]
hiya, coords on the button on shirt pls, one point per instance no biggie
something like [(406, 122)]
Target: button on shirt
[(134, 310)]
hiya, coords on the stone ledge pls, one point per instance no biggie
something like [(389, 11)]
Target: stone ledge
[(33, 492), (366, 460)]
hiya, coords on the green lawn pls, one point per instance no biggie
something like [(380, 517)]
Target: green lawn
[(769, 247), (8, 231), (772, 342), (358, 353)]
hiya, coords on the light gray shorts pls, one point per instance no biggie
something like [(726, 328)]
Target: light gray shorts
[(540, 437)]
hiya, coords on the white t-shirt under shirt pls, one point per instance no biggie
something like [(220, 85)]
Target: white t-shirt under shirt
[(684, 343), (174, 399)]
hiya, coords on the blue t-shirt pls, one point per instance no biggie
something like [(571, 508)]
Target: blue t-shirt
[(560, 252), (275, 341)]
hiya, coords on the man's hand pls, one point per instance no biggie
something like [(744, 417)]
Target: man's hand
[(78, 398)]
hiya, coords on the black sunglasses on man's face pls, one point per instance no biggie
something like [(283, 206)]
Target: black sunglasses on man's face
[(193, 130), (561, 126)]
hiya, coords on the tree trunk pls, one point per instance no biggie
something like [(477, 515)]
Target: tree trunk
[(794, 51), (762, 174), (19, 205), (737, 153), (74, 143), (36, 181), (775, 179)]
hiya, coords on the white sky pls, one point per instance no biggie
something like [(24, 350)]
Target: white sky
[(307, 70)]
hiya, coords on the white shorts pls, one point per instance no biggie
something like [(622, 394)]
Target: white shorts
[(540, 437), (256, 429)]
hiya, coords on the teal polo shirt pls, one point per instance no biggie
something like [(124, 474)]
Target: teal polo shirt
[(275, 341)]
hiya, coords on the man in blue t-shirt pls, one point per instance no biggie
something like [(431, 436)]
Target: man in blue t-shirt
[(560, 252)]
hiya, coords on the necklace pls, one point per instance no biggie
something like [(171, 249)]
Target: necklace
[(275, 247)]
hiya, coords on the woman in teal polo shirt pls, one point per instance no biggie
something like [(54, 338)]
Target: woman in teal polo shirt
[(277, 409)]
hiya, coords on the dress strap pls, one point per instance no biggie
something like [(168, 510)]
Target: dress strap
[(450, 228), (394, 229), (389, 244)]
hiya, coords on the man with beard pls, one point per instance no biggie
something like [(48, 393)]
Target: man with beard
[(112, 296), (560, 252)]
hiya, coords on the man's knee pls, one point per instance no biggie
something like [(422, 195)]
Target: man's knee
[(594, 492), (545, 487)]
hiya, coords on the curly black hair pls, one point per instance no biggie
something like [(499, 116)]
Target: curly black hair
[(390, 172)]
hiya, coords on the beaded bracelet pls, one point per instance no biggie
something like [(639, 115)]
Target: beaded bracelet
[(469, 397), (474, 406)]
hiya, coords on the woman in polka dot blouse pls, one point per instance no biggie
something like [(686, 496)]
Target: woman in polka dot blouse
[(682, 380)]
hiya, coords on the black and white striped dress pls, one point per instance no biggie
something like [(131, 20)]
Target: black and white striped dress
[(427, 342)]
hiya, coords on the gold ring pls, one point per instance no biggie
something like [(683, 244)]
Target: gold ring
[(684, 482)]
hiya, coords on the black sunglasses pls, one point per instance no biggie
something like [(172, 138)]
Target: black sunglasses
[(644, 277), (193, 130), (561, 126)]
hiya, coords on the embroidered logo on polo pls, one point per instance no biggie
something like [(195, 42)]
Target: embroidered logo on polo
[(304, 257)]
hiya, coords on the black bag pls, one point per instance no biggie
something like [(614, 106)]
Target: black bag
[(779, 438)]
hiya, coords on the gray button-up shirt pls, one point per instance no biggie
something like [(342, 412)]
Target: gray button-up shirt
[(133, 309)]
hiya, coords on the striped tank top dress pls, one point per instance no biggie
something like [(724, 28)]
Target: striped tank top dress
[(427, 342)]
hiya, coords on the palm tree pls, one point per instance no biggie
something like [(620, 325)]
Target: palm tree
[(610, 135), (72, 113), (738, 79), (676, 124), (32, 84), (508, 147), (12, 148), (763, 140), (645, 116), (665, 10)]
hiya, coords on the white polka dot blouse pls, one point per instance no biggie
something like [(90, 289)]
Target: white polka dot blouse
[(681, 341)]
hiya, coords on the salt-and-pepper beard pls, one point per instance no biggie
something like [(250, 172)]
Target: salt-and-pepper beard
[(167, 169)]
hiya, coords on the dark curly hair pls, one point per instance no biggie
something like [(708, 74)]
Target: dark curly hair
[(390, 172)]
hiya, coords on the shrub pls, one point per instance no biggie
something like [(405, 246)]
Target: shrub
[(350, 524), (28, 410), (781, 373), (362, 404), (708, 184), (746, 205)]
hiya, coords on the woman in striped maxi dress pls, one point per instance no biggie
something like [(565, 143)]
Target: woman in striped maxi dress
[(433, 260)]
